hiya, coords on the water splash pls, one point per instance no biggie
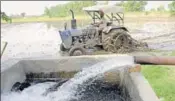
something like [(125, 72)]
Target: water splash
[(33, 93), (70, 89)]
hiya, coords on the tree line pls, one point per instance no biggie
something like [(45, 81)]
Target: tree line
[(138, 6), (63, 9), (133, 6), (76, 6), (172, 7)]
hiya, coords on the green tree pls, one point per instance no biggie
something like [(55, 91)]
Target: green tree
[(47, 12), (161, 8), (5, 17), (62, 10), (134, 5), (171, 7)]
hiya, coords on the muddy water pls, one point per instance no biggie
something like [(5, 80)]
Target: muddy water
[(42, 39), (30, 40)]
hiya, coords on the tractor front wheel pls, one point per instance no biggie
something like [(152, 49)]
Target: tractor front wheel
[(77, 51), (62, 48)]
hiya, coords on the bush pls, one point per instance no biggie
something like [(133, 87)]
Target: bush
[(146, 12), (5, 17), (161, 9), (171, 7)]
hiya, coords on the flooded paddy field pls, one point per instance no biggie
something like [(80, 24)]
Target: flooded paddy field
[(41, 39)]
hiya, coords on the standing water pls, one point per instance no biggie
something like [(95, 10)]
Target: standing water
[(70, 90)]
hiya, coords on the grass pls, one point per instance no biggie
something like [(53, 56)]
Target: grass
[(128, 15), (173, 53), (43, 19), (162, 80)]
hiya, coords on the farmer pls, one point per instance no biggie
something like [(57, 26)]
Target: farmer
[(103, 21), (102, 17)]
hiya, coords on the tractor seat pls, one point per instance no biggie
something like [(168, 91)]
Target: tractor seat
[(95, 24)]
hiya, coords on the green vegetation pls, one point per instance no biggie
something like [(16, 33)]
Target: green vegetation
[(132, 6), (162, 79), (63, 10), (172, 8), (45, 19), (173, 53), (139, 16), (5, 17), (161, 8)]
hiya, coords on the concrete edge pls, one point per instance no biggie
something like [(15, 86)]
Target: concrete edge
[(143, 87)]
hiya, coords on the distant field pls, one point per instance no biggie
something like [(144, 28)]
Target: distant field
[(162, 79), (128, 16)]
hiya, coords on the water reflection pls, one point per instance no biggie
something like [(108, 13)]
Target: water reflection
[(60, 24)]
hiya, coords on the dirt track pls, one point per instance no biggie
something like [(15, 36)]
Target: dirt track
[(37, 40)]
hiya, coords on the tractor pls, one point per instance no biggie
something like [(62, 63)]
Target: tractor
[(106, 31)]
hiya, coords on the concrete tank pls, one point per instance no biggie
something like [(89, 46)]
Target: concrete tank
[(16, 70)]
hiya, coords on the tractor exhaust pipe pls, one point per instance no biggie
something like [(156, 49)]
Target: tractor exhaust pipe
[(73, 21), (155, 60)]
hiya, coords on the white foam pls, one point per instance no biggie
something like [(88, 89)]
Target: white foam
[(69, 89), (33, 93)]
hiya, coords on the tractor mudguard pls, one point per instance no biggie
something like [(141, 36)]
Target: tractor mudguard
[(66, 38), (108, 29)]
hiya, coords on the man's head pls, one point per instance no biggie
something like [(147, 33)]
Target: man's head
[(101, 14)]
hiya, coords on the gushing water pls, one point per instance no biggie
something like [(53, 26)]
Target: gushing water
[(68, 91), (33, 93)]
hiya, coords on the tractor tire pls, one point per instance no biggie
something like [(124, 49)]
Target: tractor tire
[(106, 43), (118, 38), (77, 51), (122, 42), (62, 48)]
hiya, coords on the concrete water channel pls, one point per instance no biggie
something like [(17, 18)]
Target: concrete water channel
[(126, 85)]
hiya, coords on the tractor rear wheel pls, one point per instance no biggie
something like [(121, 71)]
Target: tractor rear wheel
[(121, 42), (118, 38), (105, 43)]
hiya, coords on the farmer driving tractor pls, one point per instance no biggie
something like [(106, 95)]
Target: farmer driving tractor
[(102, 23)]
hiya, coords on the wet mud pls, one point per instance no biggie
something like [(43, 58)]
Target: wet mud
[(28, 40)]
